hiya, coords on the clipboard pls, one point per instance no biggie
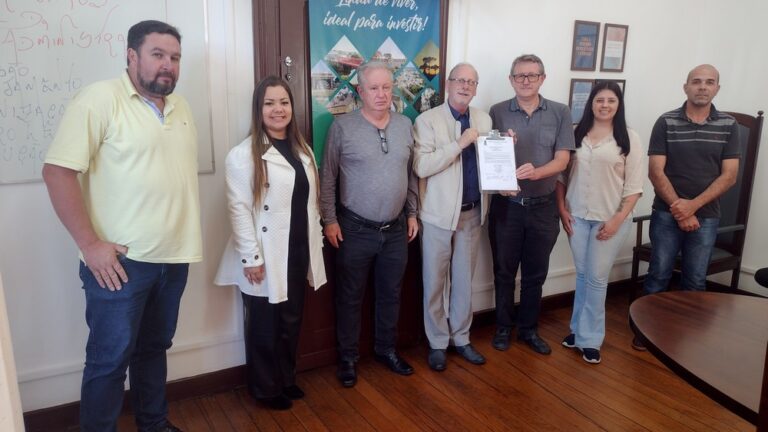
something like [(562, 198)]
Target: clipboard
[(496, 163)]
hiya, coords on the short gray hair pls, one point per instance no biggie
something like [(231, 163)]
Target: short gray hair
[(370, 65), (463, 64), (527, 58)]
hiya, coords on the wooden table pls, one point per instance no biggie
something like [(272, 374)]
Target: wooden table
[(717, 342)]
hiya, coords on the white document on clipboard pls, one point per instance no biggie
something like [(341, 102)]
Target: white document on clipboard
[(496, 163)]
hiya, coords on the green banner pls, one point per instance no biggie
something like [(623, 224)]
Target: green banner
[(345, 33)]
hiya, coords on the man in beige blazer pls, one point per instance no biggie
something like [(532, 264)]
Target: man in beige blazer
[(452, 209)]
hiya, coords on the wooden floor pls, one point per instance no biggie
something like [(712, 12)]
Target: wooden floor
[(516, 390)]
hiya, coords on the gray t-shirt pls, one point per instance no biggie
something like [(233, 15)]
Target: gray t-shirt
[(374, 184), (539, 136)]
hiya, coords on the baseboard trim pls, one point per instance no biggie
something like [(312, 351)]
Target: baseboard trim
[(65, 417)]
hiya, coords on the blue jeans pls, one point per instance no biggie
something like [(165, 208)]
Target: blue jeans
[(593, 260), (130, 327), (363, 248), (521, 236), (695, 248)]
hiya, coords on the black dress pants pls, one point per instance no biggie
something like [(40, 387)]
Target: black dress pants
[(521, 237), (272, 335)]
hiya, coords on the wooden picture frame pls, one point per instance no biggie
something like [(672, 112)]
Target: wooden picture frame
[(622, 83), (586, 38), (614, 47), (579, 94)]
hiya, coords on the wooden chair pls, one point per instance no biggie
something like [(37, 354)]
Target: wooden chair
[(734, 208)]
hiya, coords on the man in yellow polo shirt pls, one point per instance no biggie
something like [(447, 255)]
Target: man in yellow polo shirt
[(122, 176)]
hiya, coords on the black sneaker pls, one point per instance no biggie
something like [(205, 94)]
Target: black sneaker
[(638, 344), (570, 341), (591, 355)]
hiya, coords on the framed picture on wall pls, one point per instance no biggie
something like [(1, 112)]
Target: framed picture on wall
[(586, 35), (621, 83), (577, 100), (614, 47)]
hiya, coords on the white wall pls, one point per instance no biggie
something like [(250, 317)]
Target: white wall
[(666, 39), (39, 261), (10, 401)]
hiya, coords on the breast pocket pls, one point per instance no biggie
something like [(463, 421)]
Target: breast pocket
[(547, 136)]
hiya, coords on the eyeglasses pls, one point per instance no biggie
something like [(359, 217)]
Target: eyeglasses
[(383, 139), (532, 78), (462, 81)]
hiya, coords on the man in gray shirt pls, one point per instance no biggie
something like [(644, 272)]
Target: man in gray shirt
[(523, 228), (368, 154)]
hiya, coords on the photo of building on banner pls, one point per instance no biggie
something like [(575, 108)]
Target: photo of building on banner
[(343, 34)]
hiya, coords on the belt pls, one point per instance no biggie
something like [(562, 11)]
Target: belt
[(378, 226), (470, 205), (529, 201)]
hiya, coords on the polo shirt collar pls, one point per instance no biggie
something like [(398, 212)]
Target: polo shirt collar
[(713, 112), (514, 106), (130, 90)]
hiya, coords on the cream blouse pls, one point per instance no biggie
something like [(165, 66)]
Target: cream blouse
[(599, 176)]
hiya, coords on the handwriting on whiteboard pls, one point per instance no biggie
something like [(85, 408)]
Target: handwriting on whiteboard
[(49, 49)]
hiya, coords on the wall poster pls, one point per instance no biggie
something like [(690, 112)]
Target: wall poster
[(586, 35), (343, 34)]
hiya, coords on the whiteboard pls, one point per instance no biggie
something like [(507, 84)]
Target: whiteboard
[(50, 49)]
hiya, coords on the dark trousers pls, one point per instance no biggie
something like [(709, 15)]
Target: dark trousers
[(272, 336), (521, 237), (363, 248)]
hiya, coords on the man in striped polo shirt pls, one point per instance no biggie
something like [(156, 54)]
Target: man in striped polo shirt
[(693, 159)]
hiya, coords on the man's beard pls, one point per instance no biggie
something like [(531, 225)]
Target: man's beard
[(155, 87)]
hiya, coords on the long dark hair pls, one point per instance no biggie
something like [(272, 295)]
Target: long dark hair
[(619, 121), (261, 141)]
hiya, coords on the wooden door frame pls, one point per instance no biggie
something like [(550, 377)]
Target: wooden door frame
[(268, 51)]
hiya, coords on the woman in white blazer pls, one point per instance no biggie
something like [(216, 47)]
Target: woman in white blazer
[(276, 244)]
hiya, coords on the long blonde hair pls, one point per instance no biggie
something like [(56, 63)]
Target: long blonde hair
[(261, 141)]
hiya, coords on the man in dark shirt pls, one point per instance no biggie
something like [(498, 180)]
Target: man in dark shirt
[(523, 228), (693, 159)]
